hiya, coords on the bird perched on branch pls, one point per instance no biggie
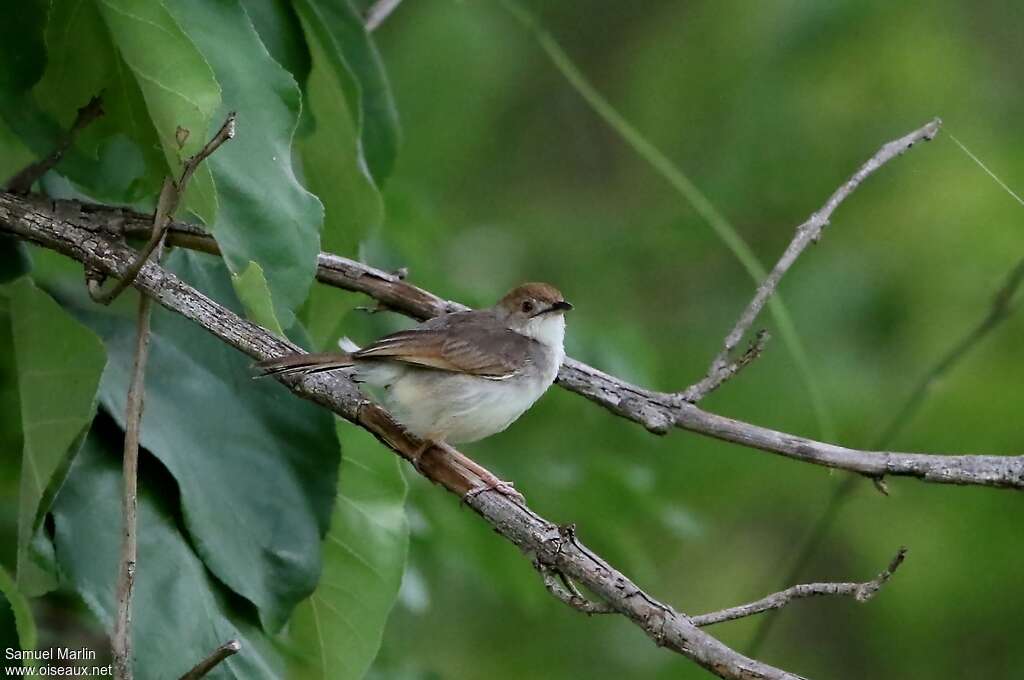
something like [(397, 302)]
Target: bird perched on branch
[(462, 376)]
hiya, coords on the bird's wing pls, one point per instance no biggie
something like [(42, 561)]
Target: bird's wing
[(471, 348)]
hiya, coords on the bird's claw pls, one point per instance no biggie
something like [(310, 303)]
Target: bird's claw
[(502, 487)]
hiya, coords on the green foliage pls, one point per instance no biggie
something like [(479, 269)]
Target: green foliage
[(265, 215), (59, 363), (338, 630), (182, 612), (256, 468), (24, 622), (506, 174), (254, 294), (177, 83), (337, 31)]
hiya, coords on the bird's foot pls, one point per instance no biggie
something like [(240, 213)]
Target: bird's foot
[(504, 488)]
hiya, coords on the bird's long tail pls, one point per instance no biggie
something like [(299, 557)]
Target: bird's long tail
[(304, 364)]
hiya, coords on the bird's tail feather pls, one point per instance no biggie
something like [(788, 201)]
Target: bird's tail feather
[(304, 364)]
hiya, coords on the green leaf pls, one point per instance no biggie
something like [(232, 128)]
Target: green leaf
[(266, 216), (251, 288), (257, 468), (355, 64), (22, 50), (335, 172), (23, 619), (181, 613), (59, 363), (14, 259), (338, 631), (176, 82), (279, 29)]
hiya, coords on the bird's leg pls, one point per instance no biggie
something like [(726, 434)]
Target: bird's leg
[(490, 482), (417, 455)]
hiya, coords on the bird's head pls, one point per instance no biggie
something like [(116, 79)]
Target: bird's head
[(535, 310)]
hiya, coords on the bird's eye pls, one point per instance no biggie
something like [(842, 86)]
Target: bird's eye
[(527, 306)]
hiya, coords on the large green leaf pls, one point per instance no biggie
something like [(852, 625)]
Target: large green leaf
[(338, 631), (22, 50), (355, 64), (335, 172), (257, 468), (59, 363), (176, 82), (83, 62), (266, 216), (280, 30), (25, 624), (181, 613)]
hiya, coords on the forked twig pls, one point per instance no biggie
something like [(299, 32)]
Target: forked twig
[(200, 670), (862, 592), (170, 197), (721, 369)]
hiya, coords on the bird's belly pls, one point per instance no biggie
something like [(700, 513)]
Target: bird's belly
[(455, 408)]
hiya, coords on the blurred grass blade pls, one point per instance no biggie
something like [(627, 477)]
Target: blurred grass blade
[(338, 631), (59, 364), (694, 196)]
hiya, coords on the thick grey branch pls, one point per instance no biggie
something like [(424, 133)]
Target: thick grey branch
[(658, 412), (555, 547), (862, 592), (721, 368)]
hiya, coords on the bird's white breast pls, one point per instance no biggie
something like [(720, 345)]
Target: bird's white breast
[(457, 408)]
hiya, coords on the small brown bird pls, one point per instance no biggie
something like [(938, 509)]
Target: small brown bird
[(462, 376)]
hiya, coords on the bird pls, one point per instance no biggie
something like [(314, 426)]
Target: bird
[(458, 377)]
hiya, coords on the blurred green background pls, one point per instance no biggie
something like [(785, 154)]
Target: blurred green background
[(506, 174)]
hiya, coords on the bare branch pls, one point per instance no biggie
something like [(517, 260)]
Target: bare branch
[(380, 11), (862, 592), (23, 181), (1001, 308), (553, 546), (200, 670), (807, 233), (658, 412)]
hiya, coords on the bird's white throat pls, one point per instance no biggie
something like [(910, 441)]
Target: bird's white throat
[(548, 330)]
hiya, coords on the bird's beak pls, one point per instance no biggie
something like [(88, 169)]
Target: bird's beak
[(561, 306)]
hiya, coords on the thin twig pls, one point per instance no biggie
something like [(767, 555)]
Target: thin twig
[(200, 670), (564, 590), (380, 11), (862, 592), (807, 233), (170, 196), (22, 182), (658, 412), (1003, 304)]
